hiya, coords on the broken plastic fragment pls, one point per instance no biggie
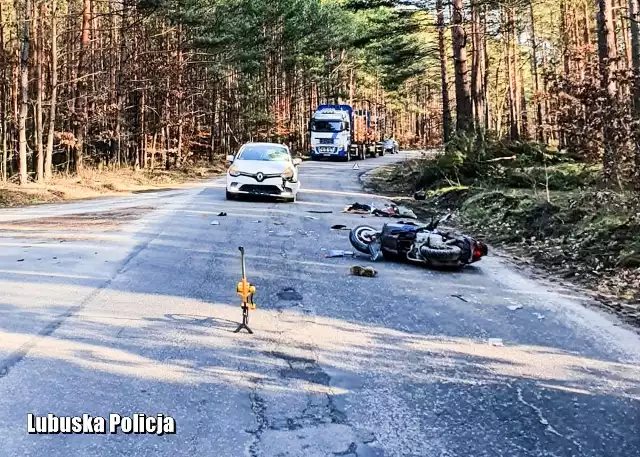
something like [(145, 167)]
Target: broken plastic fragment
[(339, 253), (514, 307), (374, 250), (460, 297), (215, 223)]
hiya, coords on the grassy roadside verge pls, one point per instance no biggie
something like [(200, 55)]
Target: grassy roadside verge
[(574, 234), (94, 184)]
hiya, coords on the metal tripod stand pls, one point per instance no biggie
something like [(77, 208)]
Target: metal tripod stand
[(246, 291)]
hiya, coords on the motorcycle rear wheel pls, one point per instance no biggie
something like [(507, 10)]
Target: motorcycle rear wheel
[(361, 237)]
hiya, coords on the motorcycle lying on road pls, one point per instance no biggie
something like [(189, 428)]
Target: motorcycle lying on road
[(424, 244)]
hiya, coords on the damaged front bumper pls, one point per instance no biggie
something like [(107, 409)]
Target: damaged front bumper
[(273, 187)]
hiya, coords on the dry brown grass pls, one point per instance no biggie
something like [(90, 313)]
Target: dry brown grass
[(91, 183)]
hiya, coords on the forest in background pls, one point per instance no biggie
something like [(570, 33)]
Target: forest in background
[(155, 83), (152, 83)]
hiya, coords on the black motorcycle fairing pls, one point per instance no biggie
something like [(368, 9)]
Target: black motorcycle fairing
[(397, 238)]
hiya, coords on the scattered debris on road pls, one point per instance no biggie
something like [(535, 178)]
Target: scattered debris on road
[(460, 297), (514, 307), (320, 211), (420, 195), (277, 223), (539, 316), (256, 222), (20, 260), (222, 213), (392, 210), (215, 223), (368, 272), (358, 208), (388, 210), (313, 218), (339, 227)]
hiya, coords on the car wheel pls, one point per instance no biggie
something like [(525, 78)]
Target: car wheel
[(230, 196), (290, 199)]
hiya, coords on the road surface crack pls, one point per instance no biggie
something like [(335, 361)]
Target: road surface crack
[(259, 410), (538, 412), (545, 422)]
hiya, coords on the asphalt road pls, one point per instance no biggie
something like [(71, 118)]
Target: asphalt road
[(413, 362)]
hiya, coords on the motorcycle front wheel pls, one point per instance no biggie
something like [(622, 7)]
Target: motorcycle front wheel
[(362, 236)]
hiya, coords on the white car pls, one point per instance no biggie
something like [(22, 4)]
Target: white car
[(263, 169), (391, 146)]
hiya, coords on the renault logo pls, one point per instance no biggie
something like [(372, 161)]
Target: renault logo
[(259, 177)]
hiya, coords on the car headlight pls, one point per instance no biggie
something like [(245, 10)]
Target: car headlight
[(288, 173), (233, 171)]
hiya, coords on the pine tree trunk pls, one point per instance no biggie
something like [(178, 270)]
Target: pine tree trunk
[(517, 86), (179, 99), (464, 121), (513, 114), (444, 80), (48, 162), (24, 23), (39, 90), (564, 33), (81, 86), (540, 134), (476, 68), (634, 26), (607, 55), (3, 104), (485, 69)]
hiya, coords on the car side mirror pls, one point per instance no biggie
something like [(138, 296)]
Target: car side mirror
[(297, 161), (230, 158)]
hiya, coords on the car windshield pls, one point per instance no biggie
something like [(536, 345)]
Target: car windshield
[(326, 126), (264, 152)]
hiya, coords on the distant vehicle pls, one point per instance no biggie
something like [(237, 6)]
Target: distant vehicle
[(339, 131), (391, 146), (263, 169)]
